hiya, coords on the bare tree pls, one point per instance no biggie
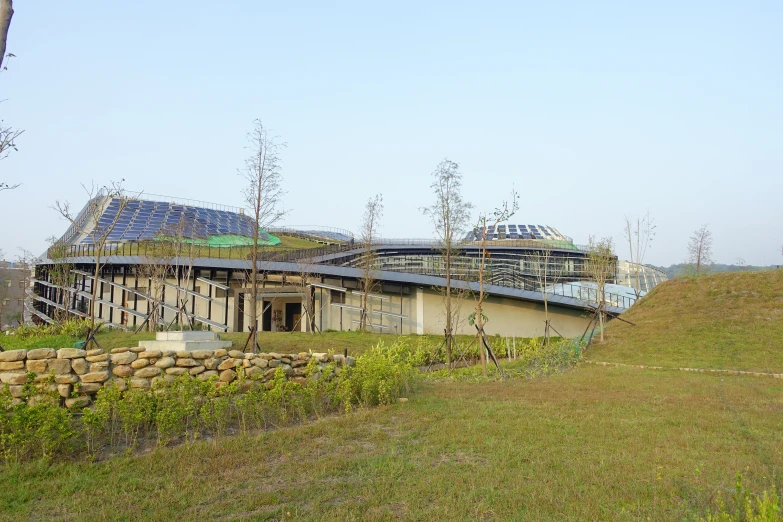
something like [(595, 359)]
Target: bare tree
[(450, 214), (600, 267), (62, 276), (368, 233), (639, 233), (700, 249), (88, 223), (181, 238), (548, 271), (8, 135), (481, 231), (262, 196), (6, 13)]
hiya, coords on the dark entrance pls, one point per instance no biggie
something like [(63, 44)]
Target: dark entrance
[(266, 317), (293, 316), (241, 312)]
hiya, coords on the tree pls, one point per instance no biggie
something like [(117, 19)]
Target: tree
[(262, 196), (700, 249), (600, 267), (88, 222), (62, 276), (8, 135), (450, 214), (481, 230), (368, 233), (181, 238), (6, 13), (639, 234), (548, 270)]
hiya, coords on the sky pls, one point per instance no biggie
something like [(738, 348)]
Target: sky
[(592, 111)]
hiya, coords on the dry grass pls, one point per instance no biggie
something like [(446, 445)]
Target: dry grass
[(730, 321), (596, 443)]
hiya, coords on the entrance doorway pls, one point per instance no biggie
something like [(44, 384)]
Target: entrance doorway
[(266, 317), (240, 312), (293, 316)]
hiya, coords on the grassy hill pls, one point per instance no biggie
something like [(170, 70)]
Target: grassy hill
[(722, 321)]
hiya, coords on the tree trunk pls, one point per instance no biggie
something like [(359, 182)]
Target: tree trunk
[(449, 326), (6, 12)]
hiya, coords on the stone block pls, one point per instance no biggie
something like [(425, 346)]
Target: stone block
[(14, 377), (165, 362), (99, 366), (149, 371), (90, 387), (119, 383), (165, 352), (141, 384), (16, 391), (187, 363), (176, 370), (274, 363), (201, 354), (150, 354), (137, 349), (254, 372), (36, 366), (59, 366), (77, 402), (98, 358), (261, 363), (211, 363), (125, 357), (220, 352), (250, 356), (13, 355), (120, 350), (67, 378), (228, 375), (41, 353), (236, 354), (122, 370), (207, 375), (79, 366), (71, 353), (196, 370), (94, 351), (14, 365), (95, 376), (229, 364), (246, 363), (64, 390), (138, 364)]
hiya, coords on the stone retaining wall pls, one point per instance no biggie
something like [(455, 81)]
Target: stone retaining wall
[(79, 374)]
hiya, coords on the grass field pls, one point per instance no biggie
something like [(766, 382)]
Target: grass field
[(594, 443), (283, 342), (722, 321)]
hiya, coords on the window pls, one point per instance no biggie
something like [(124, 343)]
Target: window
[(21, 284), (8, 283), (20, 302), (337, 297)]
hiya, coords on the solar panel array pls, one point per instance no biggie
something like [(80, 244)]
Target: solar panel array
[(328, 234), (512, 231), (144, 220)]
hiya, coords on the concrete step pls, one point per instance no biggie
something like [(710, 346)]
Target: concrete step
[(186, 336), (180, 346)]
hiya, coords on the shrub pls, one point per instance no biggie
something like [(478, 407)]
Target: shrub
[(747, 507), (381, 376)]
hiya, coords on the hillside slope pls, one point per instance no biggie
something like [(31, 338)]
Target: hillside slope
[(723, 321)]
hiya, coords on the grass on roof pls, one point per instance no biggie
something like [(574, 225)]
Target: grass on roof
[(721, 321)]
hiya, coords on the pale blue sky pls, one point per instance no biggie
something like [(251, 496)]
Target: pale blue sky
[(594, 110)]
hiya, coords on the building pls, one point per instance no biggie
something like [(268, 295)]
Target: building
[(313, 285), (13, 282)]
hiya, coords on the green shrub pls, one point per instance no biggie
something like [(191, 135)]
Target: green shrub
[(747, 507), (381, 376), (75, 327)]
